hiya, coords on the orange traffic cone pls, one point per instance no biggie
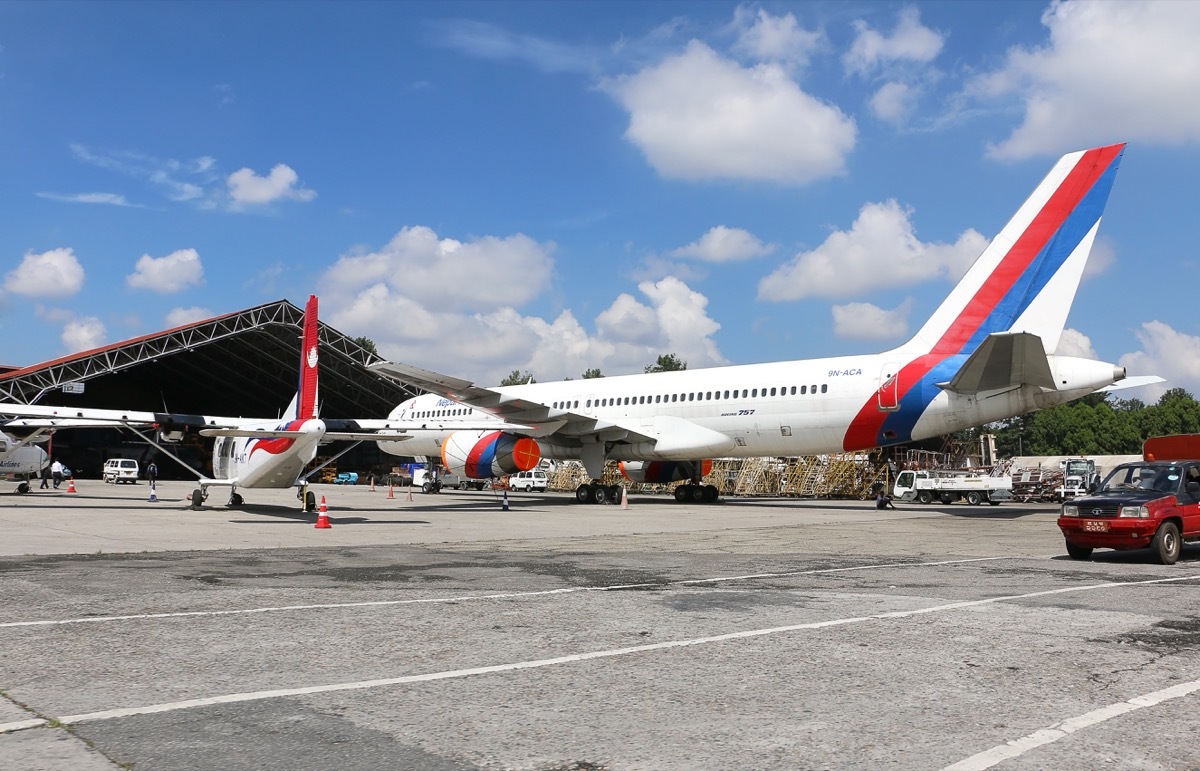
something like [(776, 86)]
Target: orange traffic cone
[(71, 485), (624, 498), (391, 491), (323, 515)]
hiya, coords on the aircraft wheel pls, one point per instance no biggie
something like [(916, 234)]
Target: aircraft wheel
[(197, 498), (614, 493), (681, 493), (600, 494), (583, 494), (23, 488), (427, 487), (696, 493), (310, 501), (235, 499), (711, 493)]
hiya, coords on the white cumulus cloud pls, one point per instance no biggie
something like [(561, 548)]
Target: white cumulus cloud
[(1075, 343), (83, 334), (55, 273), (879, 251), (865, 321), (699, 115), (724, 244), (165, 275), (768, 38), (483, 274), (451, 306), (910, 41), (177, 317), (247, 188), (1110, 71), (1168, 353)]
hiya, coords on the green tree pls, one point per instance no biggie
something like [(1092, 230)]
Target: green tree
[(1175, 413), (368, 344), (667, 362), (592, 373), (518, 378)]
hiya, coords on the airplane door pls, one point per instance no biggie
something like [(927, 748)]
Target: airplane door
[(888, 394)]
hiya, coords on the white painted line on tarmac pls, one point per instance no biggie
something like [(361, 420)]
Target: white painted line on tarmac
[(1017, 747), (21, 725), (535, 664), (476, 597)]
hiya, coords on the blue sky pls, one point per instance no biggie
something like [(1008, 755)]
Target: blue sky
[(483, 187)]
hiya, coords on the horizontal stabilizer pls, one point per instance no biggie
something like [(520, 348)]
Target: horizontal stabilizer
[(1133, 382), (254, 432), (1003, 360)]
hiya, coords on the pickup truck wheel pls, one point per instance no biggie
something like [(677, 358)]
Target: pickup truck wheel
[(1166, 544), (1079, 552), (974, 499), (924, 497)]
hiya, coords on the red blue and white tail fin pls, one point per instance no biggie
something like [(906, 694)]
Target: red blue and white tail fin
[(1026, 279), (304, 405)]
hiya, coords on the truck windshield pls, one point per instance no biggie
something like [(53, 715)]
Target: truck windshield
[(1161, 477)]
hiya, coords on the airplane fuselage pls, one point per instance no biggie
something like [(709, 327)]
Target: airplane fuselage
[(267, 462), (845, 403)]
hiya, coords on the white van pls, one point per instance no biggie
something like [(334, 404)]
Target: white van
[(528, 481), (120, 470)]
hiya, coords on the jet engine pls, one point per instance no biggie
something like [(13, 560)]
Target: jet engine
[(664, 471), (488, 454)]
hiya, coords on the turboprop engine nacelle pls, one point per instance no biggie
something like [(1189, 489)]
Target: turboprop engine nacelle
[(488, 454), (664, 471)]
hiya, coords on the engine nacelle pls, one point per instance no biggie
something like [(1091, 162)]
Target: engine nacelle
[(489, 454), (664, 471)]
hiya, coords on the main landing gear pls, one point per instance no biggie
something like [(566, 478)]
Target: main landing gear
[(594, 493), (694, 493)]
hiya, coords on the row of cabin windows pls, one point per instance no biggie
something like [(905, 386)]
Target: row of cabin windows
[(441, 413), (695, 396)]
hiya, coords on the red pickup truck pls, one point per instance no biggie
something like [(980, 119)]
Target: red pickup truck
[(1154, 503)]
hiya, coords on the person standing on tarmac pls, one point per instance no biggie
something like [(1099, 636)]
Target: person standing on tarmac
[(152, 472), (56, 471)]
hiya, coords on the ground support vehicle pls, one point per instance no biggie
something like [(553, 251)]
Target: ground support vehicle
[(346, 478), (428, 483), (117, 470), (1080, 476), (950, 486), (1154, 503)]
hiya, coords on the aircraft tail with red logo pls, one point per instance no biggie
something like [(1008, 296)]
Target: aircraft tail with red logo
[(305, 406)]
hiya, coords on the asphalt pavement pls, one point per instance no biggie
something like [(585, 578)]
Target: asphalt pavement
[(450, 632)]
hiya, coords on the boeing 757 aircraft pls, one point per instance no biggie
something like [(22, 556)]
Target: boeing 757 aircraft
[(987, 353)]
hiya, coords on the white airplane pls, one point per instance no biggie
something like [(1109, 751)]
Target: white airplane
[(19, 457), (248, 452), (987, 353)]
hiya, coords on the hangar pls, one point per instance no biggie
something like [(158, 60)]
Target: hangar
[(240, 364)]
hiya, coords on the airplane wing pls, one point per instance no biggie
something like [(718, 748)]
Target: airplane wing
[(533, 418), (80, 417)]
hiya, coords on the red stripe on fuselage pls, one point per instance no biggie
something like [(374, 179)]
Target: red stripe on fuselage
[(863, 432)]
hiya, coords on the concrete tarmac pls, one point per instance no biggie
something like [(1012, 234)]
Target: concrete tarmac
[(445, 633)]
